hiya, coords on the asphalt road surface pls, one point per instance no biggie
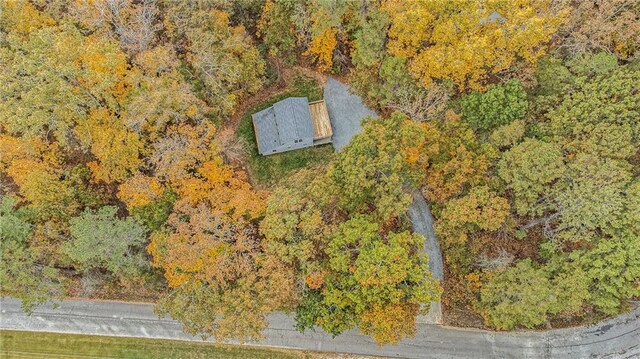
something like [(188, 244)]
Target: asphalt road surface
[(615, 338)]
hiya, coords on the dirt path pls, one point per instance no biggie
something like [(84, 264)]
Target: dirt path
[(277, 87), (227, 134)]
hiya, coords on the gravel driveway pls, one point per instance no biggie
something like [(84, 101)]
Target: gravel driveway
[(346, 112), (422, 222)]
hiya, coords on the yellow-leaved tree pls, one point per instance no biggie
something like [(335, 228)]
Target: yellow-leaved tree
[(467, 41), (116, 148)]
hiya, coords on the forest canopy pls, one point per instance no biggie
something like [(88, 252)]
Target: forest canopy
[(122, 175)]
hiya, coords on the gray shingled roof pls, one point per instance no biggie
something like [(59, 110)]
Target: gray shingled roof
[(493, 17), (286, 121)]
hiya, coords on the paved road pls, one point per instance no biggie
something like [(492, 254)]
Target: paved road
[(616, 338)]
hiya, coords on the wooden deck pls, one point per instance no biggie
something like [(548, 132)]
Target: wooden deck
[(321, 123)]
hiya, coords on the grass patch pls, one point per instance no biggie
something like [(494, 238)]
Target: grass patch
[(19, 344), (268, 170)]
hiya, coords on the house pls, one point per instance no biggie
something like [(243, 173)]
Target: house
[(291, 124), (493, 17)]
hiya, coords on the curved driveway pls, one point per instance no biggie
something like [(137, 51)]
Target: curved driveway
[(346, 111), (615, 338)]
